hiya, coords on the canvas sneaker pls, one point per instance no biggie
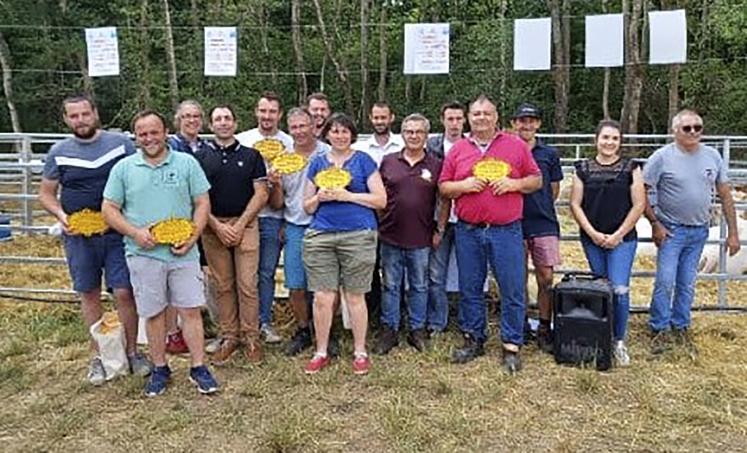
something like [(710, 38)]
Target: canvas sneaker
[(159, 379), (201, 377), (317, 363), (96, 372), (621, 354), (140, 365)]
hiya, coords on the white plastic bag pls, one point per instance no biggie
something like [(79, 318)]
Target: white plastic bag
[(345, 312), (108, 333)]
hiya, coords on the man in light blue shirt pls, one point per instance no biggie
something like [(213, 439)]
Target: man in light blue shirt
[(153, 185), (681, 178)]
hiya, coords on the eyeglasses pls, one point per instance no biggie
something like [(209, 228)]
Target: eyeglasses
[(411, 132), (697, 128)]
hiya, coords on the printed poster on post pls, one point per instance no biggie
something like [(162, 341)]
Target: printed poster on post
[(103, 51), (426, 49), (220, 51)]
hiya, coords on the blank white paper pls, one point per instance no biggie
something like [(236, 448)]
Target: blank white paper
[(604, 41), (532, 44), (667, 37)]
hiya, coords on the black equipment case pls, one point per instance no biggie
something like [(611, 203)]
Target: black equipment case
[(583, 319)]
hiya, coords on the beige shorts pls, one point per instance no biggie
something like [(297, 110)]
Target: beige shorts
[(157, 284), (342, 259)]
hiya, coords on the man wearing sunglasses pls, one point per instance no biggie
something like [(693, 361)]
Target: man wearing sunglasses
[(680, 178)]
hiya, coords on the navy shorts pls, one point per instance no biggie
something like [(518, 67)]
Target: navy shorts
[(88, 257)]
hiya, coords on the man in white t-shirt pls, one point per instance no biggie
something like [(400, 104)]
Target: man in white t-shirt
[(268, 111), (452, 118)]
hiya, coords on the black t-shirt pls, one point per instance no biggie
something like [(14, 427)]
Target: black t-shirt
[(231, 171), (607, 199)]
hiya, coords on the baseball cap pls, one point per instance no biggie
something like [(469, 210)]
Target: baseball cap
[(527, 110)]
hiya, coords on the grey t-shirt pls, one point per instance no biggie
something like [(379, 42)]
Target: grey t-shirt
[(681, 184), (293, 187)]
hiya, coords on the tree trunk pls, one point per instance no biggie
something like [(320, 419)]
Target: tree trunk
[(170, 57), (144, 94), (633, 69), (383, 52), (502, 55), (674, 91), (606, 85), (262, 15), (365, 10), (340, 68), (8, 83), (302, 86), (559, 12)]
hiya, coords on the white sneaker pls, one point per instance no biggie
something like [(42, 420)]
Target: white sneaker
[(621, 354), (213, 345), (96, 372), (269, 335)]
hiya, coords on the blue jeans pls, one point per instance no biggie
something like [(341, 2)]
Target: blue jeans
[(615, 265), (438, 265), (676, 269), (269, 255), (394, 261), (501, 246)]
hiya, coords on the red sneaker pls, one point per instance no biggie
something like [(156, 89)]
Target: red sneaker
[(316, 364), (175, 343), (361, 364)]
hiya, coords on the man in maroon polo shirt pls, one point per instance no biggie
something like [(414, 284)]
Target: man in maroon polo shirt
[(489, 209), (407, 232)]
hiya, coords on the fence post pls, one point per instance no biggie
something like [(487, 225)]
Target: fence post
[(28, 205), (722, 296)]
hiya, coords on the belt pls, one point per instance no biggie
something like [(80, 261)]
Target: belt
[(486, 225)]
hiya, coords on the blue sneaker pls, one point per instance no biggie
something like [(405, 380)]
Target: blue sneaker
[(201, 377), (159, 377)]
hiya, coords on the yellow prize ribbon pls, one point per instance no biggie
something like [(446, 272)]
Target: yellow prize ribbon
[(87, 222), (287, 163), (491, 169), (172, 231), (269, 148), (333, 178)]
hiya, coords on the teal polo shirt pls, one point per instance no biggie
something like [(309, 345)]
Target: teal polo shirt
[(150, 193)]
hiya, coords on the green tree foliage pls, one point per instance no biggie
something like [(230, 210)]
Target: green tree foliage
[(46, 41)]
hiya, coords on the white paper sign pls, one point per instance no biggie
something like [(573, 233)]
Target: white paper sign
[(532, 44), (667, 37), (220, 51), (426, 49), (604, 41), (103, 51)]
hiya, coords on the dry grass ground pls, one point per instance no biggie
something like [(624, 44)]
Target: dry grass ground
[(409, 402)]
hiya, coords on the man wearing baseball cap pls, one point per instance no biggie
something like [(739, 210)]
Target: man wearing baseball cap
[(540, 222)]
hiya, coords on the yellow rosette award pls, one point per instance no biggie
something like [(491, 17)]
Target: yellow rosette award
[(87, 222), (288, 163), (172, 231), (491, 169), (269, 148), (333, 178)]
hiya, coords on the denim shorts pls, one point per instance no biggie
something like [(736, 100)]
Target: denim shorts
[(295, 275), (157, 284), (340, 259), (88, 256)]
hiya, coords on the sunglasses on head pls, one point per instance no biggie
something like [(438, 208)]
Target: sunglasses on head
[(694, 128)]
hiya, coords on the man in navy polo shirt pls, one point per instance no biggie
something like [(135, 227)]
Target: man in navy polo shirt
[(79, 167), (407, 233), (540, 222)]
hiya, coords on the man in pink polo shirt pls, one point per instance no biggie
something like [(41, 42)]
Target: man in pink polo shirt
[(489, 229)]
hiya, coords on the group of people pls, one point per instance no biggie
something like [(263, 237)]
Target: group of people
[(377, 243)]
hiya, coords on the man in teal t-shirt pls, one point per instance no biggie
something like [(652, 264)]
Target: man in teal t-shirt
[(153, 185)]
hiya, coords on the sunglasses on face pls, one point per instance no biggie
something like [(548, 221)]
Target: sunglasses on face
[(694, 128)]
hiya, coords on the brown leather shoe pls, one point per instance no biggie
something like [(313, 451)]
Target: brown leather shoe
[(225, 352), (253, 350)]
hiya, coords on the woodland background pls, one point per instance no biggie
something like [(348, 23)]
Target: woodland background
[(353, 51)]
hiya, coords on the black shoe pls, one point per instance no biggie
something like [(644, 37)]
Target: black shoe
[(470, 350), (661, 342), (300, 341), (682, 338), (545, 340), (386, 340), (333, 345), (418, 339), (511, 362)]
